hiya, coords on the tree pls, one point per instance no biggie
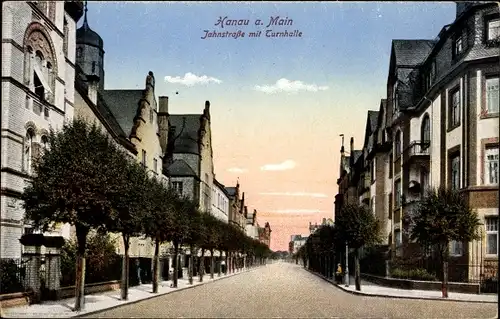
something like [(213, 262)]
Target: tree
[(194, 237), (129, 205), (72, 183), (357, 226), (442, 216), (157, 220), (179, 227), (211, 240)]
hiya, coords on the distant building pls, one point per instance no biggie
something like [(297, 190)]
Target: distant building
[(265, 234), (220, 201), (252, 228), (296, 242)]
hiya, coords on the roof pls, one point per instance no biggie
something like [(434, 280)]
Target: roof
[(231, 191), (102, 107), (356, 154), (383, 107), (85, 35), (123, 104), (411, 52), (221, 187), (180, 168), (372, 119), (186, 135)]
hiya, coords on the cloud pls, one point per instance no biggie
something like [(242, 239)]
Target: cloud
[(298, 211), (237, 170), (191, 79), (300, 194), (288, 164), (284, 85)]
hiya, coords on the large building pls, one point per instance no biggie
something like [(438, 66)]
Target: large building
[(252, 227), (38, 72), (438, 126)]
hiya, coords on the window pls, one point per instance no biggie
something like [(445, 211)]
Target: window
[(391, 159), (491, 224), (492, 100), (458, 46), (390, 205), (424, 180), (373, 170), (397, 238), (79, 52), (144, 158), (93, 66), (397, 193), (395, 98), (455, 171), (491, 165), (493, 32), (155, 165), (426, 132), (66, 35), (397, 144), (372, 205), (454, 108), (45, 142), (28, 150), (177, 187), (151, 115), (456, 248), (28, 230), (28, 57)]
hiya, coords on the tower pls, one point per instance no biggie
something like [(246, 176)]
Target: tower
[(90, 51)]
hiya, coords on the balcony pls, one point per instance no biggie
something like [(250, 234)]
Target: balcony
[(417, 151)]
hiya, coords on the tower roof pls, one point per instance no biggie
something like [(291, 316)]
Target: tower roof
[(85, 35)]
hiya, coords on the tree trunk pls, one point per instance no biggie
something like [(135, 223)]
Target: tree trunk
[(125, 267), (202, 264), (444, 285), (220, 264), (176, 264), (191, 261), (226, 262), (357, 272), (156, 268), (81, 235), (212, 264)]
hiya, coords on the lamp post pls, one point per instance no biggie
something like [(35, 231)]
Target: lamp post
[(346, 264)]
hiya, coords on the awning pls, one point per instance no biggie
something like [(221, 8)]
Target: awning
[(42, 79)]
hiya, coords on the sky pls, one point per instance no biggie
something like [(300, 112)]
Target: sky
[(278, 105)]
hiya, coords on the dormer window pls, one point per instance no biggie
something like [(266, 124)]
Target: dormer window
[(493, 29), (458, 46)]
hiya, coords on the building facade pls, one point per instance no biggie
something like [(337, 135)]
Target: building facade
[(38, 71), (438, 127), (220, 202), (265, 234), (236, 207), (252, 227)]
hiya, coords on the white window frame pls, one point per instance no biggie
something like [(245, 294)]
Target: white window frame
[(452, 177), (459, 45), (456, 248), (491, 162), (397, 194), (493, 24), (492, 95), (455, 108), (178, 187), (491, 229)]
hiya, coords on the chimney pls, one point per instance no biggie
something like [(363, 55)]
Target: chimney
[(93, 86), (163, 101), (206, 111)]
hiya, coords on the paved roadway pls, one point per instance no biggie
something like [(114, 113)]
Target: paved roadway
[(283, 290)]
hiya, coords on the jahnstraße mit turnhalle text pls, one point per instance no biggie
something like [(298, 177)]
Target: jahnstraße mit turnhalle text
[(256, 34), (268, 33)]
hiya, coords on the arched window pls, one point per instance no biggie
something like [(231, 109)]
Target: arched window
[(45, 142), (28, 150), (426, 132), (397, 144)]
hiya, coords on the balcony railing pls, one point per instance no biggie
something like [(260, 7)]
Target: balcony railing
[(416, 149)]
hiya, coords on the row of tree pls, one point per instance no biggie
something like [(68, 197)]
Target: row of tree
[(440, 217), (85, 179)]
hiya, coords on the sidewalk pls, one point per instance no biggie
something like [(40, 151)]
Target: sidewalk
[(371, 289), (104, 301)]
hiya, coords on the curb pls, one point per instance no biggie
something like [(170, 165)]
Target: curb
[(161, 294), (360, 293)]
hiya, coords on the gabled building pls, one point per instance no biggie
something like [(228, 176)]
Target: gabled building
[(189, 160), (236, 207), (265, 234), (220, 202), (252, 228)]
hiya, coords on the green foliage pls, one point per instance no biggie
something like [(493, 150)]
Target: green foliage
[(158, 217), (442, 216), (358, 226), (413, 274), (75, 178), (11, 275), (102, 262)]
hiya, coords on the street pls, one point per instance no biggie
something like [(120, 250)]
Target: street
[(287, 291)]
